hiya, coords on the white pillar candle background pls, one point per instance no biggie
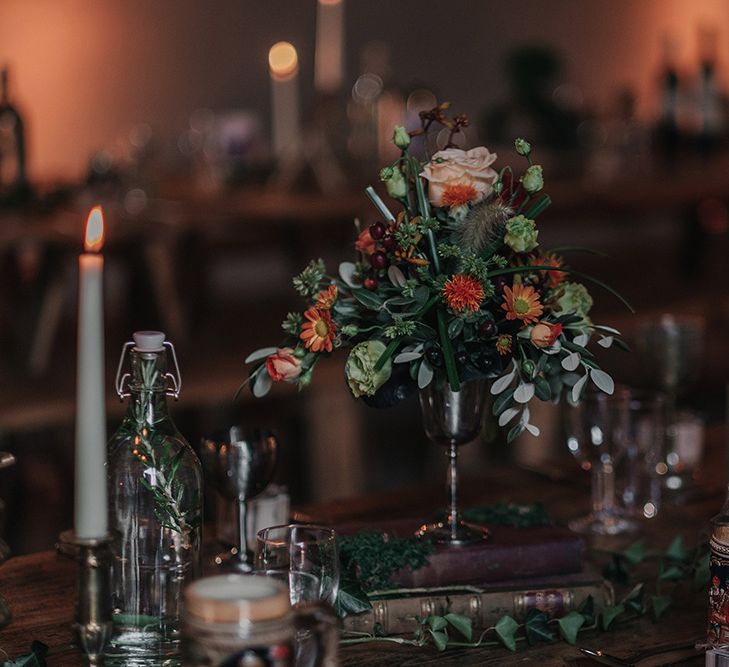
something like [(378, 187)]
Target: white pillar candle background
[(90, 511), (283, 64), (329, 56)]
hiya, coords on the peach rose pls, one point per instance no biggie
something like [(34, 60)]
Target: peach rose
[(283, 365), (365, 243), (456, 177), (544, 334)]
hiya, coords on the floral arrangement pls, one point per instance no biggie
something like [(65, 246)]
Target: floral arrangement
[(452, 287)]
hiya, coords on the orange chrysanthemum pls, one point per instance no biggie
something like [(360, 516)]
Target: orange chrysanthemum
[(463, 293), (458, 194), (325, 300), (319, 331), (522, 303), (503, 344)]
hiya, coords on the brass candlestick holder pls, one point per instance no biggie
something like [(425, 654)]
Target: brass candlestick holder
[(93, 610)]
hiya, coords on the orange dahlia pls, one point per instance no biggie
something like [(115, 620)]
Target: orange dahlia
[(319, 331), (326, 298), (522, 303), (463, 293)]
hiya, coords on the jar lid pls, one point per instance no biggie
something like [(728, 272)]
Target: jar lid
[(237, 598), (149, 341)]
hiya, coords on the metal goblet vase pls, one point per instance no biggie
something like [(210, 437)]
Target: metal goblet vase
[(240, 465)]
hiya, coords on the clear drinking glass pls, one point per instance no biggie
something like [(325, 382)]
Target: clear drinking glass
[(301, 548), (591, 428)]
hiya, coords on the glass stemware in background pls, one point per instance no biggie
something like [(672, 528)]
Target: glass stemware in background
[(240, 464), (590, 430), (309, 552), (671, 348), (451, 419)]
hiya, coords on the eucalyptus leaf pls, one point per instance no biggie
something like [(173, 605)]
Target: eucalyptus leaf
[(367, 299), (396, 276), (577, 388), (501, 402), (505, 629), (507, 415), (606, 341), (504, 381), (515, 431), (602, 380), (581, 339), (260, 354), (571, 361), (406, 357), (263, 383), (570, 625), (462, 623), (347, 272), (534, 430), (524, 392), (425, 374), (603, 327)]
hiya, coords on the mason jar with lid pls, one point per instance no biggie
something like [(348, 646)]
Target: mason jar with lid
[(247, 619)]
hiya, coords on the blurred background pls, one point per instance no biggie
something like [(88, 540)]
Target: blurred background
[(224, 166)]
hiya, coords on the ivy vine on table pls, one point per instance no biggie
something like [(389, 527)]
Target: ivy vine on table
[(676, 566)]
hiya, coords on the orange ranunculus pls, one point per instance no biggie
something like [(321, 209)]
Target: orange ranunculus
[(365, 243), (326, 298), (545, 334), (522, 303), (319, 330), (283, 365)]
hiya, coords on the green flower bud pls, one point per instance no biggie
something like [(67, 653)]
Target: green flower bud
[(362, 378), (350, 330), (528, 367), (522, 146), (532, 180), (521, 234), (498, 187), (395, 183), (400, 137)]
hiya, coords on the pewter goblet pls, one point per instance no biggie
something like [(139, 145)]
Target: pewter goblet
[(240, 464), (451, 419)]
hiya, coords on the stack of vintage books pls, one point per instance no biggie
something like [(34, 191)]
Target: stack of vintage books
[(516, 570)]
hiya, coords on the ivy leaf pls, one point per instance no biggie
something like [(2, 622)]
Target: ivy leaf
[(587, 609), (671, 573), (440, 639), (436, 623), (461, 623), (351, 599), (677, 550), (702, 573), (634, 599), (609, 614), (635, 553), (36, 658), (660, 604), (537, 627), (570, 625), (505, 629)]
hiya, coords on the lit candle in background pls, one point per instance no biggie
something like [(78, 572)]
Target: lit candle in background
[(283, 63), (90, 512), (329, 60)]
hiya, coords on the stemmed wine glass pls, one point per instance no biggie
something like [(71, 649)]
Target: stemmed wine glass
[(593, 434), (453, 418), (240, 465)]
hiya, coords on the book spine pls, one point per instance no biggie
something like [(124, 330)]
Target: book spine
[(397, 615)]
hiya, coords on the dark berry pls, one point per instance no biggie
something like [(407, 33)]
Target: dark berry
[(488, 328), (370, 284), (434, 357), (378, 260), (377, 230), (501, 282), (461, 357), (389, 242)]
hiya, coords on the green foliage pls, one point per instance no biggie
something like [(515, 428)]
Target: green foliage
[(36, 657), (505, 629), (308, 282), (570, 625), (509, 514), (293, 323), (537, 627)]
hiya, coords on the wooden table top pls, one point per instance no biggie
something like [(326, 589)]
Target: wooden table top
[(40, 587)]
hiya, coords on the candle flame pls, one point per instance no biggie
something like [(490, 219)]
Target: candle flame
[(330, 2), (94, 230), (283, 60)]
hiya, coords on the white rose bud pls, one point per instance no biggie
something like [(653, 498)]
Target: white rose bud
[(532, 179), (400, 137), (522, 146)]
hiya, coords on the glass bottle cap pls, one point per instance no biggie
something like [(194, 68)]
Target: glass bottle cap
[(149, 341), (236, 598)]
